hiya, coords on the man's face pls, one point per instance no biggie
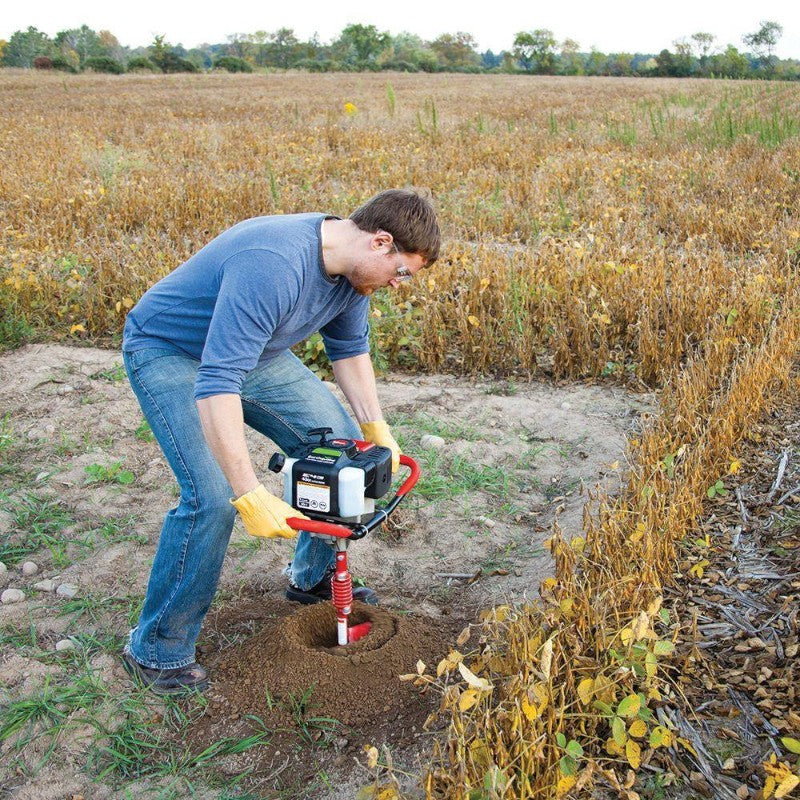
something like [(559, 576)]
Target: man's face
[(382, 265)]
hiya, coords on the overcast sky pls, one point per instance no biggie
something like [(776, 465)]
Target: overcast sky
[(621, 26)]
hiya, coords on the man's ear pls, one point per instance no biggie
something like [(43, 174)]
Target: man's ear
[(381, 239)]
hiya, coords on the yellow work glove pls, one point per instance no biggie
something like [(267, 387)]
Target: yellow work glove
[(263, 514), (378, 433)]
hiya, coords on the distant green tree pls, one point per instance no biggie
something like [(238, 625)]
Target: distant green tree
[(110, 46), (702, 44), (536, 51), (103, 64), (683, 61), (141, 63), (729, 64), (570, 61), (361, 44), (665, 64), (763, 42), (596, 63), (242, 46), (490, 60), (232, 64), (200, 57), (78, 44), (282, 49), (23, 47), (619, 64), (166, 56), (456, 51), (408, 48)]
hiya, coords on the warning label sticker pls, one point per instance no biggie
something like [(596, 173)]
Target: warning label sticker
[(312, 497)]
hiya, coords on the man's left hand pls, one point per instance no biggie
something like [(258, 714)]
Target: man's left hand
[(378, 433)]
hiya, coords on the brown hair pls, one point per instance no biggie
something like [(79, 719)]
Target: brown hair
[(408, 216)]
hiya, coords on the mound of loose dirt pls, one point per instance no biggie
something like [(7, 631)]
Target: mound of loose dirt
[(292, 656), (290, 679)]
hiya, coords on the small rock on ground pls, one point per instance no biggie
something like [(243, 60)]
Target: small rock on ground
[(429, 440), (12, 596), (47, 585), (67, 590), (65, 644), (29, 568)]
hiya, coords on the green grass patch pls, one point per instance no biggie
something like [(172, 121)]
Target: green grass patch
[(92, 607), (122, 529), (46, 712), (421, 423), (38, 523), (444, 477)]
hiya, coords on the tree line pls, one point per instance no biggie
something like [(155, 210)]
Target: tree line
[(365, 48)]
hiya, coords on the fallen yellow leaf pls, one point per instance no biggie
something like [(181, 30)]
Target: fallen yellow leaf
[(372, 756), (787, 785)]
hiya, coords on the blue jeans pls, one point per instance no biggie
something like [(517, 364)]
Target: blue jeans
[(282, 400)]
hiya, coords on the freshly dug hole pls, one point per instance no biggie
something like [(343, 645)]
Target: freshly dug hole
[(317, 631)]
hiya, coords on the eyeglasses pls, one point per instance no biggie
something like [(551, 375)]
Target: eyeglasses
[(402, 273)]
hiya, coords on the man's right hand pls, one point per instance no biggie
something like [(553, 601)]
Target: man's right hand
[(263, 514)]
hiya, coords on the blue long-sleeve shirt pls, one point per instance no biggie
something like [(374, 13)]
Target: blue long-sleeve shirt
[(254, 291)]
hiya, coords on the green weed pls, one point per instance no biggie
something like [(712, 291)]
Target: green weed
[(143, 432), (114, 531), (391, 100), (67, 446), (113, 375), (15, 329), (507, 388), (311, 728), (19, 639), (112, 473)]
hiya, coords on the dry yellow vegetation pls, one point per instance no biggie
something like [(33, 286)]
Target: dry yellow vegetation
[(593, 226), (638, 230)]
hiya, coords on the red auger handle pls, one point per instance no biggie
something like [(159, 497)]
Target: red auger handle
[(411, 480), (343, 532), (318, 526)]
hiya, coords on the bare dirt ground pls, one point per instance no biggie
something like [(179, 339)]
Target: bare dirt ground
[(84, 489)]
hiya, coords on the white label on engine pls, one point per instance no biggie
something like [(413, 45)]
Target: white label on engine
[(314, 498)]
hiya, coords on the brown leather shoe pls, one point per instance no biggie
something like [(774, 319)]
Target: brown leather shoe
[(183, 680)]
